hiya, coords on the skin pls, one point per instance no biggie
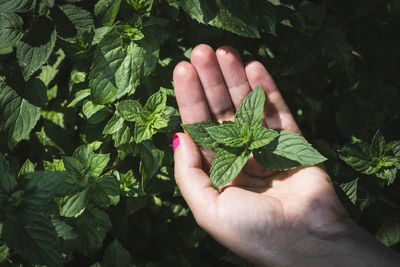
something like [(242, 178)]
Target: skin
[(270, 218)]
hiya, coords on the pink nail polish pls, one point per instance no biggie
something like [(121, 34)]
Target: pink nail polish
[(175, 141)]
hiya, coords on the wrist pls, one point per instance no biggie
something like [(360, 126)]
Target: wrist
[(340, 244)]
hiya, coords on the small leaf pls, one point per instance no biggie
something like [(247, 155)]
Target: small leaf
[(8, 179), (151, 161), (115, 252), (143, 130), (72, 21), (91, 227), (377, 149), (388, 174), (114, 124), (358, 157), (228, 134), (36, 92), (118, 67), (389, 232), (226, 165), (75, 205), (10, 29), (251, 109), (36, 46), (395, 147), (288, 150), (64, 230), (156, 103), (199, 134), (105, 192), (350, 189), (14, 5), (262, 137), (19, 116), (106, 11), (123, 136), (335, 45), (73, 166), (129, 109), (4, 252), (42, 187), (33, 237), (27, 167)]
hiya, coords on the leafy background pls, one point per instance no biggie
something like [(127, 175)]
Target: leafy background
[(88, 112)]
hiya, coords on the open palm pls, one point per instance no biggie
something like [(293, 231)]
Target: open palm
[(261, 214)]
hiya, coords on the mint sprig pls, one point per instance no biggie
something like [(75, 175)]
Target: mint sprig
[(234, 142)]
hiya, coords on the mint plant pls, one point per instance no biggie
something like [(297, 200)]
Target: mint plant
[(378, 158), (87, 112), (234, 142)]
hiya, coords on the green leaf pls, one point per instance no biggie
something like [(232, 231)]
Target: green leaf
[(129, 109), (73, 166), (72, 21), (151, 161), (75, 204), (97, 163), (262, 137), (201, 10), (36, 92), (335, 45), (123, 136), (118, 67), (18, 115), (115, 252), (42, 187), (172, 117), (234, 15), (143, 130), (199, 134), (106, 11), (105, 192), (114, 124), (358, 157), (94, 113), (350, 189), (395, 147), (8, 179), (7, 6), (10, 29), (55, 165), (33, 237), (36, 46), (92, 227), (92, 163), (64, 230), (228, 134), (226, 165), (27, 167), (251, 109), (388, 174), (288, 150), (389, 232), (266, 16), (4, 252), (156, 103), (377, 148)]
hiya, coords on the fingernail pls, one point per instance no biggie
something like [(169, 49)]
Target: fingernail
[(175, 141)]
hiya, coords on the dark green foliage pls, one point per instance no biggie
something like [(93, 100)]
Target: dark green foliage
[(87, 114)]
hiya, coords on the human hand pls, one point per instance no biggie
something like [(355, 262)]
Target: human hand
[(270, 218)]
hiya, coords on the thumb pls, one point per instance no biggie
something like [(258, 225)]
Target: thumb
[(193, 182)]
